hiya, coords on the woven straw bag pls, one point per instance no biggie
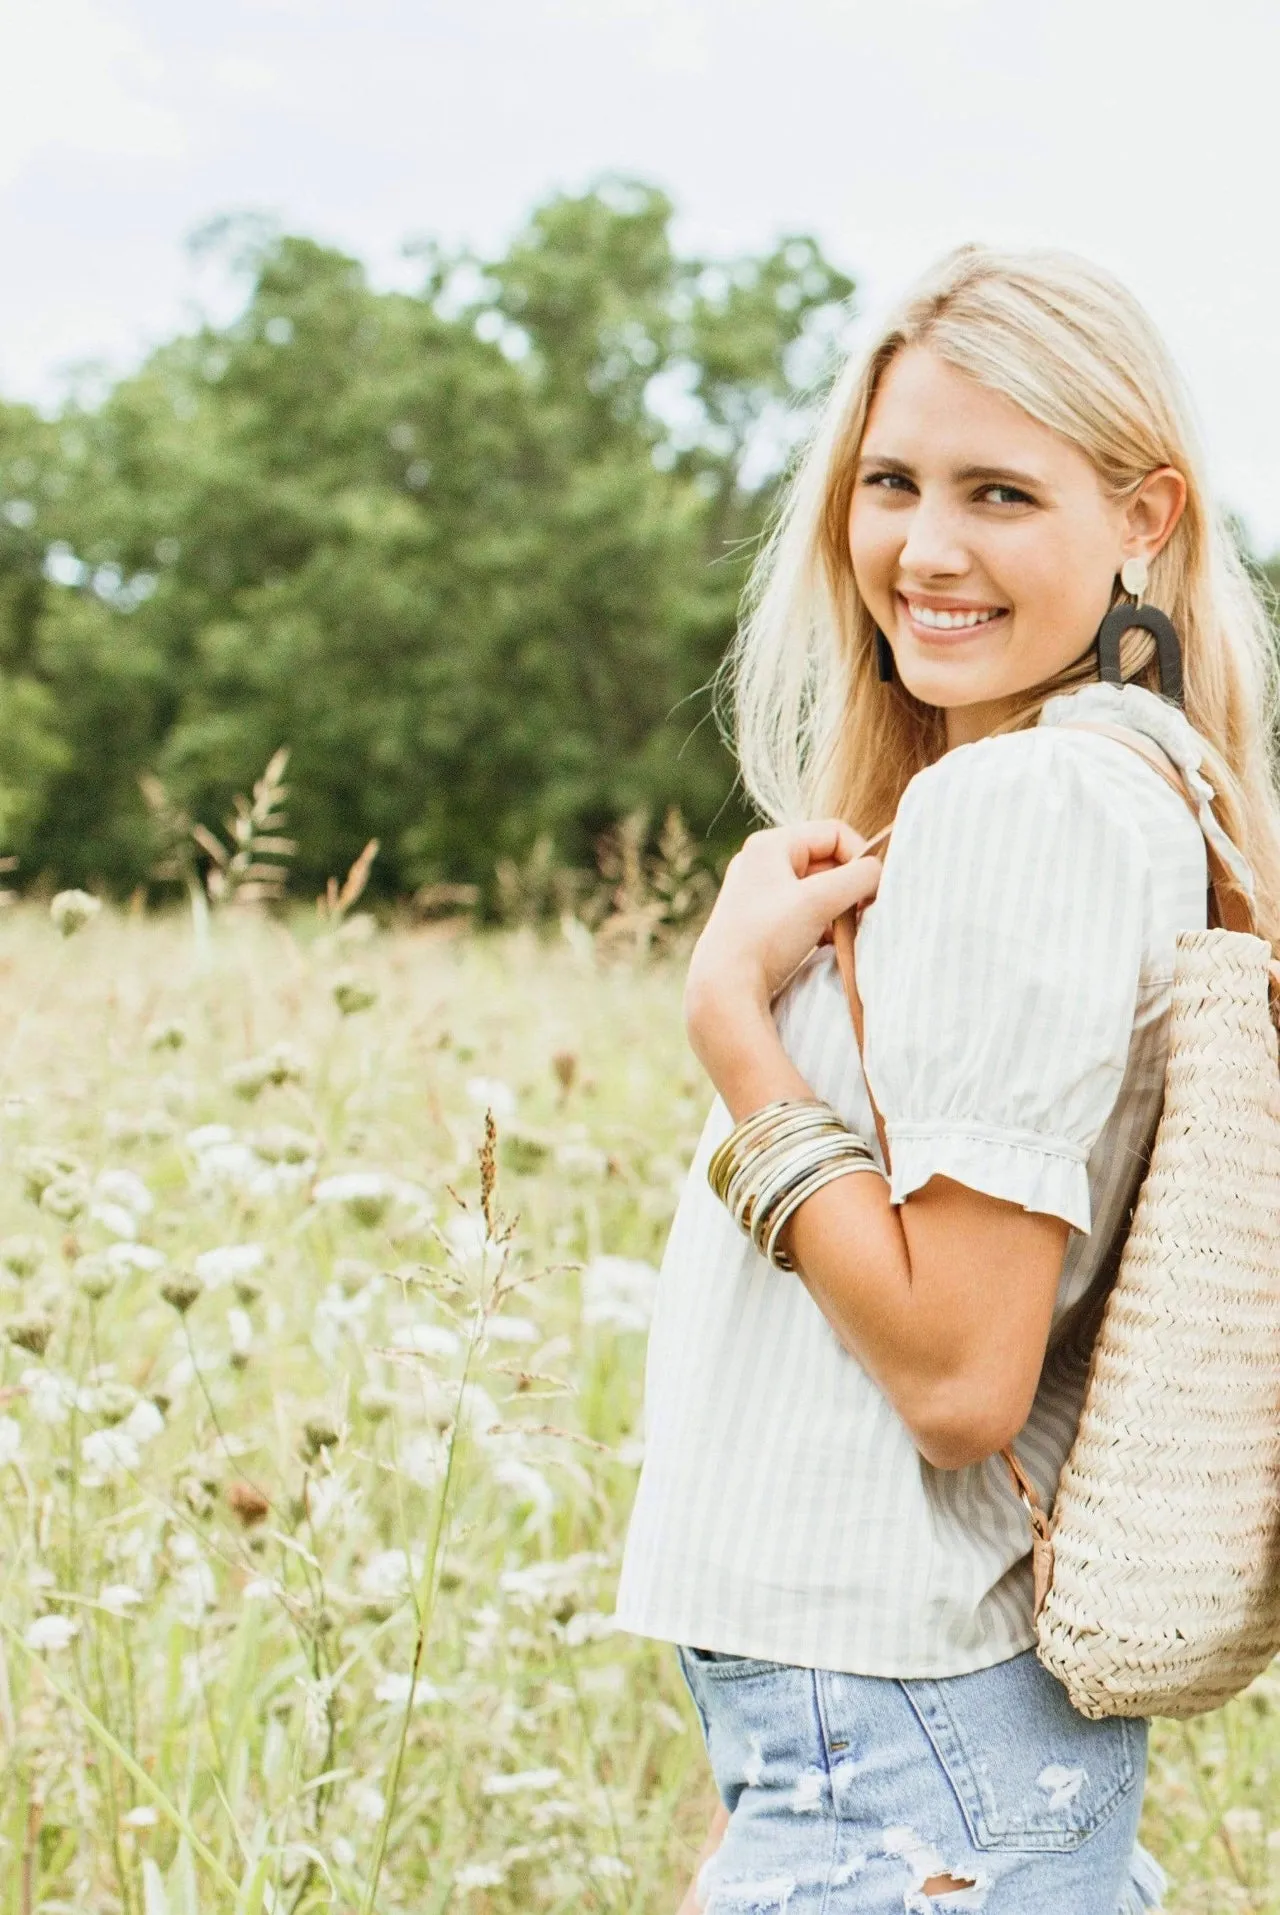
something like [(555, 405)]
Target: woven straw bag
[(1157, 1582)]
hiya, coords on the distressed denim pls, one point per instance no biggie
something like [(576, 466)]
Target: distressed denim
[(848, 1793)]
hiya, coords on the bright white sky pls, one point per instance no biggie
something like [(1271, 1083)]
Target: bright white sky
[(1143, 133)]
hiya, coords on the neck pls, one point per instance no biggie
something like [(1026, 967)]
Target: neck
[(967, 723)]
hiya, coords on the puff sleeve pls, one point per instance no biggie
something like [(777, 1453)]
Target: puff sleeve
[(999, 968)]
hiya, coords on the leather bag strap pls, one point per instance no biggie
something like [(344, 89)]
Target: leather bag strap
[(1230, 909)]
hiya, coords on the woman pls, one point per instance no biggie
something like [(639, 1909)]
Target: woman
[(823, 1523)]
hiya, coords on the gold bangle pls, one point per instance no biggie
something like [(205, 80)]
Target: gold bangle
[(796, 1172), (745, 1133), (737, 1152), (755, 1166), (785, 1212)]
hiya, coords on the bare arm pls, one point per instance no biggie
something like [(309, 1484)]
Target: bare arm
[(946, 1300)]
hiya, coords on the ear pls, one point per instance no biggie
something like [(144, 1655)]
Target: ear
[(1153, 511)]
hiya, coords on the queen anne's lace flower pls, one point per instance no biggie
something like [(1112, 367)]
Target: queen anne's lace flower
[(51, 1632)]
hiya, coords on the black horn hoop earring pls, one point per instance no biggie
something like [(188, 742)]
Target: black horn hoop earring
[(1123, 618), (884, 658)]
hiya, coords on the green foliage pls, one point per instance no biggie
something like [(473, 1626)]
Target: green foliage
[(472, 554)]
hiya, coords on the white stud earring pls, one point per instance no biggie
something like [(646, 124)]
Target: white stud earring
[(1133, 576)]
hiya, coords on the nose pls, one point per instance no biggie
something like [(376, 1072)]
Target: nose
[(934, 547)]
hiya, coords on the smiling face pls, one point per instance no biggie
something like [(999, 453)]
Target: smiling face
[(983, 543)]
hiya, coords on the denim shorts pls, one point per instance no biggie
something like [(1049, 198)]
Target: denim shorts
[(848, 1793)]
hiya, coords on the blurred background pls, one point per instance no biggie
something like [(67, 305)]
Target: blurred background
[(407, 384)]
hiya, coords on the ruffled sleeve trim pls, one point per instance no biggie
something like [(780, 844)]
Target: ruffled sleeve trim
[(1044, 1174)]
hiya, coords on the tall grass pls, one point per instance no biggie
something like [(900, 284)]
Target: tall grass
[(324, 1263)]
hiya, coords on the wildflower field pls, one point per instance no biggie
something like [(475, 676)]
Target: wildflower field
[(326, 1257)]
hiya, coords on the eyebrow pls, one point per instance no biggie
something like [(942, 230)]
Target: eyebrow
[(1006, 474)]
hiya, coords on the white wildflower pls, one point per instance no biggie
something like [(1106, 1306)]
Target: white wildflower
[(478, 1412), (111, 1452), (145, 1816), (480, 1875), (122, 1259), (119, 1598), (468, 1239), (240, 1331), (22, 1255), (368, 1801), (522, 1782), (194, 1591), (427, 1339), (511, 1330), (10, 1439), (283, 1144), (527, 1484), (233, 1164), (143, 1421), (51, 1632), (127, 1188), (116, 1218), (618, 1293), (70, 910), (261, 1589), (324, 1496), (66, 1197), (588, 1625), (277, 1180), (483, 1638), (367, 1194), (493, 1093), (49, 1395), (340, 1307), (221, 1156), (228, 1261), (181, 1375), (208, 1137), (151, 1126), (553, 1581), (395, 1690), (423, 1459), (386, 1575)]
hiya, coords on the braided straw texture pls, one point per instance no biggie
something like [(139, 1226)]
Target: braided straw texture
[(1165, 1591)]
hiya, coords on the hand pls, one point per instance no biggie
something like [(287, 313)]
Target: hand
[(781, 894)]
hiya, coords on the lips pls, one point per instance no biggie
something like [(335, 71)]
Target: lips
[(949, 623)]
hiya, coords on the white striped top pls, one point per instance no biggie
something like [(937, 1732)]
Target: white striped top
[(1015, 971)]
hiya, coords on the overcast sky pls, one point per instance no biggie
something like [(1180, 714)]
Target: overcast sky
[(1142, 134)]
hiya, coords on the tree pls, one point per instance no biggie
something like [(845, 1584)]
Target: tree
[(473, 554)]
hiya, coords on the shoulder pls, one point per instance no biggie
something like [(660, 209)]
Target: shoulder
[(1003, 796)]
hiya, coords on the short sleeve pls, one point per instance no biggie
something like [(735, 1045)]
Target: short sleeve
[(999, 969)]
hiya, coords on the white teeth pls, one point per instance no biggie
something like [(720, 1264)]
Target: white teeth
[(950, 621)]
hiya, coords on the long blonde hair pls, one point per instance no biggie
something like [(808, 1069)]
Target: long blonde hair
[(816, 732)]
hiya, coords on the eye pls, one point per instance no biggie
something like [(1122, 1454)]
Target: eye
[(1013, 495), (887, 481)]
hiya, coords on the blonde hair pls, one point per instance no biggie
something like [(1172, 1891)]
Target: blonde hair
[(816, 732)]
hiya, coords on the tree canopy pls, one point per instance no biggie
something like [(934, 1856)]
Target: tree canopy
[(472, 552)]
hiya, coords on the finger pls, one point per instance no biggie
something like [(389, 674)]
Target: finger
[(848, 884), (823, 840)]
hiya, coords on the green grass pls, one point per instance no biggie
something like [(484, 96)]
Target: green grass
[(238, 1531)]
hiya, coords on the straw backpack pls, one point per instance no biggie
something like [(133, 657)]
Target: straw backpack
[(1157, 1581)]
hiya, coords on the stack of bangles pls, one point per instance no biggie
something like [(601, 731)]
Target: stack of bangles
[(774, 1159)]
